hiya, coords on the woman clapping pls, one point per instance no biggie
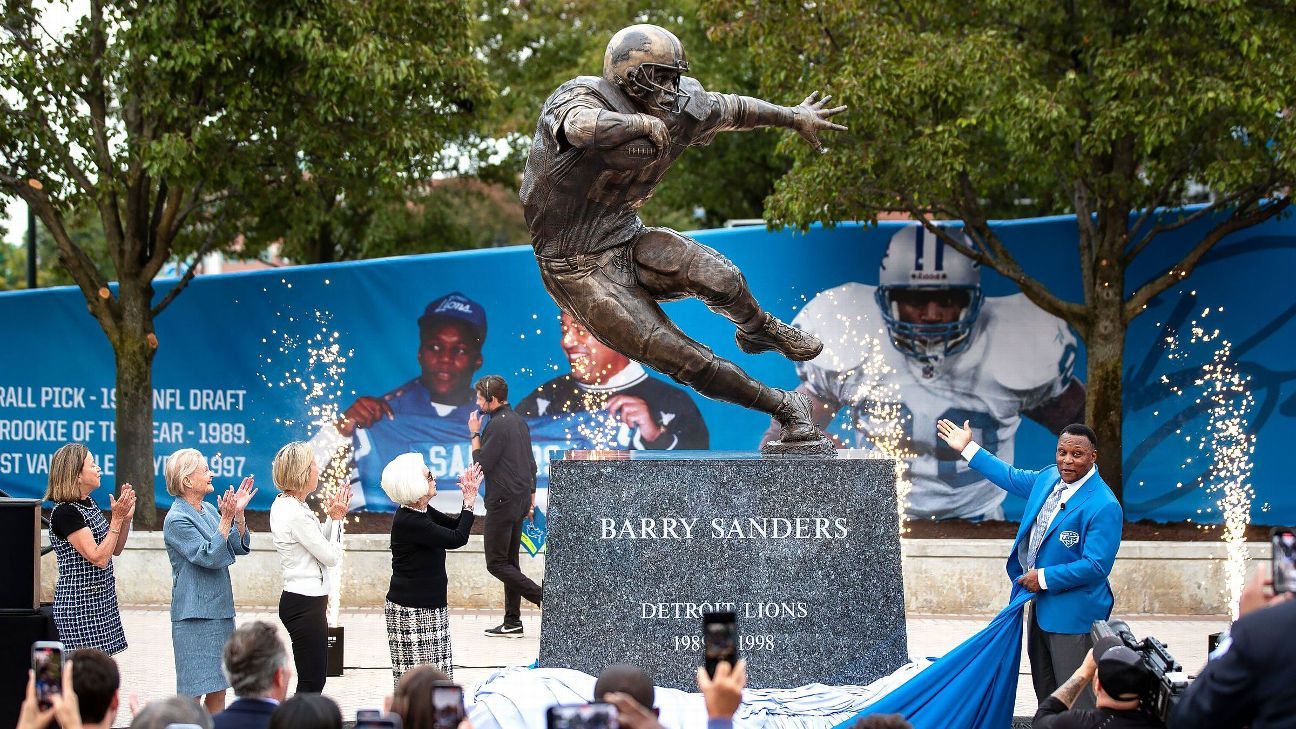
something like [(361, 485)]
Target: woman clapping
[(85, 596), (202, 542), (307, 550), (418, 619)]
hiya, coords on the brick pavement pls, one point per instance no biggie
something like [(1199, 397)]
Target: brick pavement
[(148, 668)]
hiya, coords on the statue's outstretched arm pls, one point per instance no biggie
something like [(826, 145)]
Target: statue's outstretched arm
[(807, 119)]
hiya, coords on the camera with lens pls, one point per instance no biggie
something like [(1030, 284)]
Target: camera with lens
[(1167, 681)]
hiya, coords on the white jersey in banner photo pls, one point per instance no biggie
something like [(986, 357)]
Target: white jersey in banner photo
[(1018, 357)]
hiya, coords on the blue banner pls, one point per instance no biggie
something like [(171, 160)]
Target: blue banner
[(249, 361)]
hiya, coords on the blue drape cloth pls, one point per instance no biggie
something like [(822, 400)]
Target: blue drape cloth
[(974, 686)]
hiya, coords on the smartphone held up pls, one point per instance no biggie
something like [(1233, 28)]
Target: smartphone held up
[(1282, 540), (47, 664), (719, 640)]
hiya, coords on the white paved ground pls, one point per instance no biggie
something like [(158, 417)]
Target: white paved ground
[(148, 668)]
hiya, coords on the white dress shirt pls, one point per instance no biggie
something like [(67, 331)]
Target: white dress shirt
[(307, 549), (1067, 492)]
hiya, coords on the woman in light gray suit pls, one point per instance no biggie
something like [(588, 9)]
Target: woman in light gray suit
[(202, 543)]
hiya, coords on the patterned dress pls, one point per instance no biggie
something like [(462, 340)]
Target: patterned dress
[(85, 596)]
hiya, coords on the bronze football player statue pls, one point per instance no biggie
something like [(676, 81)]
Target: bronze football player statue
[(600, 149)]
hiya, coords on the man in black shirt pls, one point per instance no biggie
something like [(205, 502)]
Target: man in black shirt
[(503, 448), (1119, 678), (643, 413)]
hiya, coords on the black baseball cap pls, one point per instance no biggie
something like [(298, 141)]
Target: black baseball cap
[(458, 308), (1120, 670)]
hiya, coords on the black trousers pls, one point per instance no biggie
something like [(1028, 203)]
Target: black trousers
[(1053, 658), (503, 542), (306, 619)]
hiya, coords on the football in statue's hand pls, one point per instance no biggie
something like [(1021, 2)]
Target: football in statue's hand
[(632, 155)]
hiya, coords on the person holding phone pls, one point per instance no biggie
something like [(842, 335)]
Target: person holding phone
[(502, 446), (86, 613), (307, 552), (416, 609), (60, 704), (202, 542), (426, 698), (1248, 678)]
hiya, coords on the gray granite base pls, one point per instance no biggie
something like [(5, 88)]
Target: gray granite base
[(805, 550)]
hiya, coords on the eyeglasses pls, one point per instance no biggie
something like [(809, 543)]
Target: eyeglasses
[(430, 477)]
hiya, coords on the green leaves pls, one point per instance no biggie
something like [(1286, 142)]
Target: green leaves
[(1030, 100)]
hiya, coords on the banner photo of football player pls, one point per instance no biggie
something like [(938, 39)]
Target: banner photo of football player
[(370, 359), (927, 344)]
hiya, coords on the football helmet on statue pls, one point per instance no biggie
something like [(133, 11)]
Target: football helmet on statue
[(646, 62), (929, 294)]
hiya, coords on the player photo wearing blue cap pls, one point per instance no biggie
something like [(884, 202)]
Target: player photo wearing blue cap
[(427, 415)]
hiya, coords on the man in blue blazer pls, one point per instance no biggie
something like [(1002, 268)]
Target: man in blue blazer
[(1064, 550), (256, 663)]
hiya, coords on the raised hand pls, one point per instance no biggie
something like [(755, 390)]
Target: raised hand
[(243, 495), (31, 715), (226, 506), (338, 503), (811, 117), (956, 437), (630, 714), (474, 421), (723, 693), (122, 507), (362, 413), (67, 710), (469, 481)]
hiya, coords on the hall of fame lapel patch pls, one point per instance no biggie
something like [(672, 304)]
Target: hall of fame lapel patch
[(1069, 538)]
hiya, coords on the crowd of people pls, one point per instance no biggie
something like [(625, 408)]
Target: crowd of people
[(1064, 552)]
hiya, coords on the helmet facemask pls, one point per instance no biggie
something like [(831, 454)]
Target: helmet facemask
[(930, 342), (657, 85)]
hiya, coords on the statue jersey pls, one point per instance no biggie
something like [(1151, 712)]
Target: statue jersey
[(581, 200), (1019, 357)]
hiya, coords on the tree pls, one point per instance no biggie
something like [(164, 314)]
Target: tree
[(1110, 110), (173, 119), (534, 46), (86, 231)]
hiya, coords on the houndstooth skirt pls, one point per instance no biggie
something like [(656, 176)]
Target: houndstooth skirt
[(418, 636)]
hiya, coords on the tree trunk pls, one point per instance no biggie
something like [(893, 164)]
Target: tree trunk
[(1105, 344), (134, 349)]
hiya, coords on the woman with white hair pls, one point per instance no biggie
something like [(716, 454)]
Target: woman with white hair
[(202, 542), (307, 550), (418, 618)]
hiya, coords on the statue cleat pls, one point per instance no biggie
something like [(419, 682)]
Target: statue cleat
[(799, 435), (796, 344)]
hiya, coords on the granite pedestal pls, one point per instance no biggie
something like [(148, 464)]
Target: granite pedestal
[(806, 551)]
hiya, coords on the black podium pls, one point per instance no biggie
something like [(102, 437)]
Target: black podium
[(21, 621)]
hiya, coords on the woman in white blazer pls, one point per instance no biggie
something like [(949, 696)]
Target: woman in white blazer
[(307, 550)]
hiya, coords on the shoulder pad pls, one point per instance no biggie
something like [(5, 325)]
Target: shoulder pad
[(581, 86), (699, 103), (1027, 347), (844, 318)]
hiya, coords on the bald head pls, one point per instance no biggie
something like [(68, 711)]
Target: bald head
[(626, 679)]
